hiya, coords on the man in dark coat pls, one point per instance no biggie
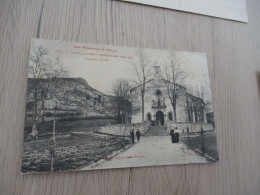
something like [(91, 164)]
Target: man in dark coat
[(172, 136), (133, 136), (201, 131), (138, 134), (177, 135)]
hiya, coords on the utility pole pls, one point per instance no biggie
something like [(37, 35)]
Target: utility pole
[(106, 146), (52, 145), (53, 130)]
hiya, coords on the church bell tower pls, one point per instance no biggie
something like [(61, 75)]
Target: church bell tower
[(157, 72)]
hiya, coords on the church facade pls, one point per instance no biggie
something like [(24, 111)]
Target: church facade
[(158, 107)]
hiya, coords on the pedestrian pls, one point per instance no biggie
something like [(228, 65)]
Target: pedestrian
[(133, 136), (201, 131), (177, 135), (172, 136), (188, 132), (138, 134)]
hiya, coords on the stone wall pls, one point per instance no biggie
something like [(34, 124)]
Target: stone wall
[(193, 127), (124, 128)]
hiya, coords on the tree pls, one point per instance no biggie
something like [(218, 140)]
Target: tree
[(204, 101), (43, 69), (173, 79), (121, 99), (142, 70)]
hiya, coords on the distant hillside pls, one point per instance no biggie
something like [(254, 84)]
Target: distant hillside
[(68, 95)]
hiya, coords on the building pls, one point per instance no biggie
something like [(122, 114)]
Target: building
[(158, 107)]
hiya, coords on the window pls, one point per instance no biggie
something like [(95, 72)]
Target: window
[(149, 117), (158, 93), (196, 117), (170, 116)]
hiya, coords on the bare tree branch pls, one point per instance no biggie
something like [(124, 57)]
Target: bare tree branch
[(141, 66), (174, 78)]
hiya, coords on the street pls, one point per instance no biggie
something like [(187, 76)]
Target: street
[(150, 151)]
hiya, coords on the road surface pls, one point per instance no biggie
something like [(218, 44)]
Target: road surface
[(151, 151)]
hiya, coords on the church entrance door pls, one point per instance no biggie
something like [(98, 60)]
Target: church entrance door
[(159, 118)]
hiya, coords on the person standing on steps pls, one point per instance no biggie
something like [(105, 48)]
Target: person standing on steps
[(138, 134), (133, 136)]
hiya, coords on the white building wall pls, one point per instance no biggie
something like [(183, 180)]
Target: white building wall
[(150, 95), (151, 86)]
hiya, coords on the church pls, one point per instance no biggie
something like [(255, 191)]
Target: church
[(157, 104)]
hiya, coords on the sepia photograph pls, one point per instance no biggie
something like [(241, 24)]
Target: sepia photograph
[(91, 106)]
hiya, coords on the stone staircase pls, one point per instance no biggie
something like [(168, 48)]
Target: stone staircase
[(157, 131)]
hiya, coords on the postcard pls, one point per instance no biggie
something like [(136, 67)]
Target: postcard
[(228, 9), (91, 106)]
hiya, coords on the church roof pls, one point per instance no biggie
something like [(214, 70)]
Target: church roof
[(152, 80), (140, 85), (184, 88)]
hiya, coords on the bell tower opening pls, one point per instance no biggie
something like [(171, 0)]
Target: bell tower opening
[(157, 71)]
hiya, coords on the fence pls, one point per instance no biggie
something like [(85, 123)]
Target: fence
[(193, 127), (123, 129)]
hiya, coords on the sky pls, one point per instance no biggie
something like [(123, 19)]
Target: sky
[(101, 74)]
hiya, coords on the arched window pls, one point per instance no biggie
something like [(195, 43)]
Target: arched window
[(170, 116), (196, 117), (149, 117)]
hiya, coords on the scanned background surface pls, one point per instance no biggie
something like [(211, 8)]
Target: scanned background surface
[(230, 9), (233, 57)]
